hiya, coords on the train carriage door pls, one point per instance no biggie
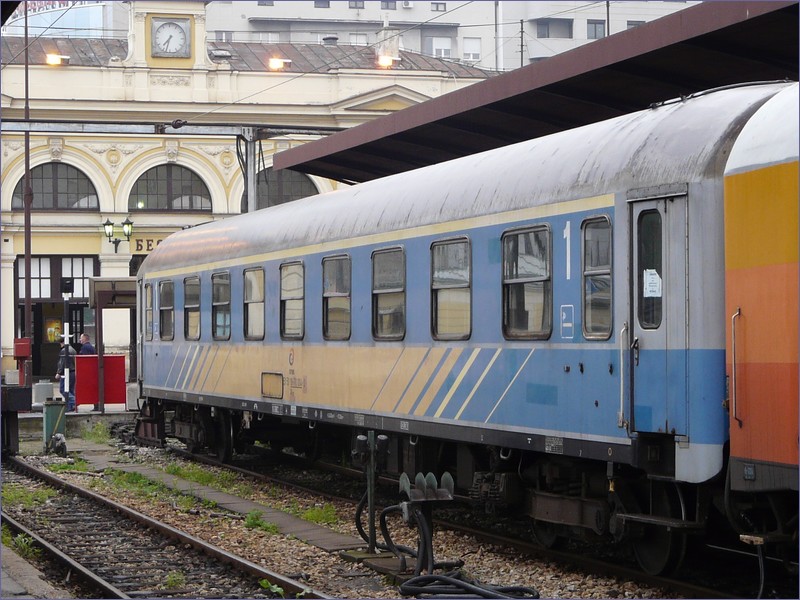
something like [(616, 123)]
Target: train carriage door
[(659, 298)]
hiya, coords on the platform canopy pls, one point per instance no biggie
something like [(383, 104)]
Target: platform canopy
[(709, 45)]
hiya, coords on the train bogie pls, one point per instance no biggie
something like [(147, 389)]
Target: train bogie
[(545, 321)]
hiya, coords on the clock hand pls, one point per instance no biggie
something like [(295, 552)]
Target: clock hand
[(165, 47)]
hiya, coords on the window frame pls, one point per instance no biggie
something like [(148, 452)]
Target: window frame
[(148, 312), (218, 306), (327, 295), (376, 293), (63, 182), (194, 308), (165, 310), (246, 302), (592, 26), (547, 280), (438, 6), (169, 176), (434, 289), (643, 303), (609, 272), (284, 299)]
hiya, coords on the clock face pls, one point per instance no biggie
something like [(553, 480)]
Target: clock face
[(170, 38)]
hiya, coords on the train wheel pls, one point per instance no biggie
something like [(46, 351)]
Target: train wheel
[(661, 550), (546, 534), (224, 437)]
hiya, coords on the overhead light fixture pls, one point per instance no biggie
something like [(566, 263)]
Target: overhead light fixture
[(127, 230), (278, 64), (56, 59)]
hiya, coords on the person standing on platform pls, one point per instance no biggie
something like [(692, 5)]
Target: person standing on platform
[(66, 360), (86, 345)]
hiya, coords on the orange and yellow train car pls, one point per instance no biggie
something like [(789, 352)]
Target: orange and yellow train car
[(761, 300)]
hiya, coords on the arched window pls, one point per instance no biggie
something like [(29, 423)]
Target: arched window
[(278, 188), (169, 188), (57, 186)]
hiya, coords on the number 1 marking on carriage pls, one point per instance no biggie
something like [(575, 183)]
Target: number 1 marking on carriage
[(567, 237)]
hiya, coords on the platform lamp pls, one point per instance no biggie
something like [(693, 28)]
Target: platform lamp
[(127, 230)]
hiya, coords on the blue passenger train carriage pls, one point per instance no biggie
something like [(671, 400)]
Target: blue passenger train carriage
[(545, 320)]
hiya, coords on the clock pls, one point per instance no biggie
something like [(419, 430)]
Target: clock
[(170, 38)]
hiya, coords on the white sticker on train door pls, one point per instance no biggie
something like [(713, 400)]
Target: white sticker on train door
[(567, 312), (652, 284)]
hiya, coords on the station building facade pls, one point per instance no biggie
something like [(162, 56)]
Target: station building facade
[(500, 35), (162, 179)]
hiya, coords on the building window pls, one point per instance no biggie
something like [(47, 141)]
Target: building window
[(169, 188), (322, 4), (438, 6), (632, 24), (221, 306), (597, 278), (80, 269), (166, 314), (57, 186), (554, 28), (292, 301), (275, 188), (269, 37), (148, 312), (451, 295), (388, 295), (40, 278), (440, 47), (266, 2), (191, 308), (527, 286), (336, 298), (358, 39), (254, 304), (223, 36), (388, 5), (472, 49), (595, 30), (352, 4)]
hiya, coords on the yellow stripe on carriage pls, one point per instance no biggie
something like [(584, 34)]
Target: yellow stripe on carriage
[(478, 383), (438, 381), (457, 382)]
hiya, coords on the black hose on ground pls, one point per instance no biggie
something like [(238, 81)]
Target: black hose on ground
[(454, 584)]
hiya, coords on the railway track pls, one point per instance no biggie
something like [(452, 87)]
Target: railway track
[(699, 582), (126, 554)]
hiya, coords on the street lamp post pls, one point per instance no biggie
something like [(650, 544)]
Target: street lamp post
[(27, 201)]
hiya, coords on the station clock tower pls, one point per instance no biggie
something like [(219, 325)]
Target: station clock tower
[(169, 35)]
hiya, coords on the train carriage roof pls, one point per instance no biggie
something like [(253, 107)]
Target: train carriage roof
[(677, 142)]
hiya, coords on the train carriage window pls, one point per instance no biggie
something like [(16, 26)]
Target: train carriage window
[(336, 297), (597, 278), (166, 315), (451, 295), (191, 308), (292, 301), (221, 306), (148, 312), (254, 304), (527, 284), (650, 269), (388, 294)]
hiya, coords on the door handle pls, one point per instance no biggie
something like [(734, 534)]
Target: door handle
[(635, 348)]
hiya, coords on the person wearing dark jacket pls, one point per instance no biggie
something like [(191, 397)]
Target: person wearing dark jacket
[(66, 360), (86, 345)]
